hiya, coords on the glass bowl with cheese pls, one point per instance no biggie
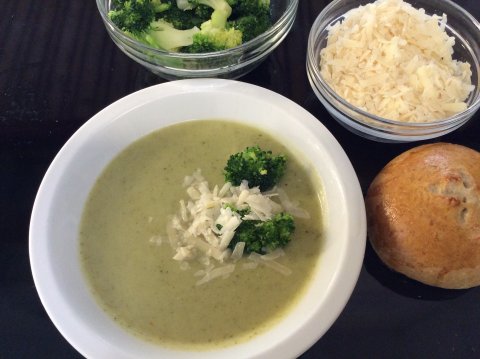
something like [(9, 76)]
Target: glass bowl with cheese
[(392, 71)]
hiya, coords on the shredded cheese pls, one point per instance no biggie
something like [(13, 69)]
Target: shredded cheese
[(395, 61), (205, 225)]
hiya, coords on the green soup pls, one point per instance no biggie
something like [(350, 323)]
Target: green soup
[(139, 284)]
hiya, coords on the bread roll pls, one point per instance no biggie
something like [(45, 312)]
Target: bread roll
[(423, 212)]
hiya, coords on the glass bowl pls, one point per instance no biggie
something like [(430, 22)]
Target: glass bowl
[(460, 25), (231, 63)]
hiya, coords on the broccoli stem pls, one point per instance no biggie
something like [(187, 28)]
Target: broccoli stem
[(221, 12)]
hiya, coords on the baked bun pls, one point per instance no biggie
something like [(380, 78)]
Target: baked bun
[(423, 212)]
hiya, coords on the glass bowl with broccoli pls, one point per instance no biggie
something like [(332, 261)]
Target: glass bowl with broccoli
[(198, 38)]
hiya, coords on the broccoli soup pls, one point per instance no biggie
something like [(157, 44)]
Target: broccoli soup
[(128, 258)]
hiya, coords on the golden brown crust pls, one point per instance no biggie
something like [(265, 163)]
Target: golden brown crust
[(423, 212)]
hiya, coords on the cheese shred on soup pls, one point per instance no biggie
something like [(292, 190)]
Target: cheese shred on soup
[(131, 267)]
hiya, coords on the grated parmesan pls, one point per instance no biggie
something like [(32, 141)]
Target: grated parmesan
[(395, 61), (204, 226)]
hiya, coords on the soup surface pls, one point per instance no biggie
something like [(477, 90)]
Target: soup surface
[(138, 283)]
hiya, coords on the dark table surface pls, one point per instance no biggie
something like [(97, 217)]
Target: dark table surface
[(58, 67)]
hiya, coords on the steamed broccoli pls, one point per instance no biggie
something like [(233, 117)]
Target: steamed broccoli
[(251, 7), (211, 38), (251, 17), (251, 25), (203, 11), (181, 20), (262, 237), (258, 167), (161, 5), (210, 25), (137, 18), (214, 34), (133, 16), (163, 35), (184, 20), (221, 11)]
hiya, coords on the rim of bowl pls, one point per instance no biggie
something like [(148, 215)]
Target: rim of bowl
[(289, 12), (320, 24), (348, 266)]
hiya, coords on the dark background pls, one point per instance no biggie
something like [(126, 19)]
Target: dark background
[(58, 67)]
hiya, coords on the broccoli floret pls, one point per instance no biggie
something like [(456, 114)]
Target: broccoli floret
[(185, 19), (262, 237), (203, 12), (163, 35), (251, 17), (211, 38), (252, 25), (258, 167), (251, 7), (133, 16)]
